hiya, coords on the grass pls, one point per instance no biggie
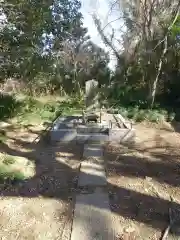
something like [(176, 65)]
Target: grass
[(23, 111), (8, 160), (3, 136), (30, 110), (7, 174), (9, 106), (35, 109), (151, 115), (15, 168)]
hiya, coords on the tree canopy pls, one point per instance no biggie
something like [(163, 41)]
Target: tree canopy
[(45, 44), (147, 72)]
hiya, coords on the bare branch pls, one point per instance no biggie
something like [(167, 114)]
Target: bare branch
[(111, 22), (112, 6), (171, 25), (106, 40)]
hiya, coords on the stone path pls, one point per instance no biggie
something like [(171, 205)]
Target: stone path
[(93, 219)]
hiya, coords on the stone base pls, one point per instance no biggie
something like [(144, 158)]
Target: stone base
[(64, 135), (121, 135), (92, 129), (115, 135), (72, 129), (92, 137)]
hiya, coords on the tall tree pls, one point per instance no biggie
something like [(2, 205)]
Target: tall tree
[(145, 40), (82, 60), (32, 28)]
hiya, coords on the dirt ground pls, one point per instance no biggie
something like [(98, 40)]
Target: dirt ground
[(144, 180), (143, 183), (40, 207)]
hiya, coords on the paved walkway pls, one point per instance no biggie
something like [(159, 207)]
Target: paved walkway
[(93, 219)]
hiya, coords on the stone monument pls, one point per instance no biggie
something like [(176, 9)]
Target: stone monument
[(92, 100)]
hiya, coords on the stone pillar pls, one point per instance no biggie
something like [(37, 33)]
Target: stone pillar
[(92, 96)]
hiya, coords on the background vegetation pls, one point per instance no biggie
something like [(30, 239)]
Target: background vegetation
[(45, 50)]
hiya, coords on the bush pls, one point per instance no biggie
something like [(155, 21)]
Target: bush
[(9, 106), (155, 116), (3, 136), (32, 110), (30, 105), (49, 107), (152, 115), (7, 175)]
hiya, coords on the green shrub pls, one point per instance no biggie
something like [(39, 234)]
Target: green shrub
[(49, 107), (9, 106), (31, 105), (132, 112), (7, 175), (32, 110), (3, 136), (123, 111), (140, 116), (45, 115), (152, 115), (155, 116)]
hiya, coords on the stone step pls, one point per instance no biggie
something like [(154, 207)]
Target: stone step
[(93, 219), (92, 174), (93, 150)]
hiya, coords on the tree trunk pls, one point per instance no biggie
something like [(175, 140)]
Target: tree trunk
[(165, 40), (154, 87), (106, 40)]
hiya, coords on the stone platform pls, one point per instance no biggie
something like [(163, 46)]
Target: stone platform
[(73, 128)]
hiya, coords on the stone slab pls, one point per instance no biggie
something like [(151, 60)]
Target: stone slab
[(81, 138), (93, 219), (92, 129), (121, 135), (93, 150), (92, 174), (64, 135), (67, 122), (129, 136), (126, 123)]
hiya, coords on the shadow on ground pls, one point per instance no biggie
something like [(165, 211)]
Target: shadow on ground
[(57, 179)]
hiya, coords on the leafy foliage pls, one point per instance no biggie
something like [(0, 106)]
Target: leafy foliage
[(147, 72), (45, 45), (7, 175), (9, 106), (138, 115)]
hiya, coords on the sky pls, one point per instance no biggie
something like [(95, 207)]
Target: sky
[(101, 8), (88, 7)]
